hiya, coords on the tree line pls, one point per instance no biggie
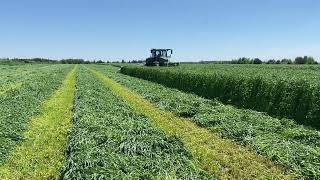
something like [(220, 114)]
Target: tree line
[(297, 60), (242, 60), (44, 60)]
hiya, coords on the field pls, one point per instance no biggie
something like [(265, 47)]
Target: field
[(281, 91), (194, 121)]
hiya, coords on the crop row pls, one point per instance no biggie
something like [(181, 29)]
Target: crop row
[(292, 93), (7, 71), (12, 75), (110, 140), (41, 153), (222, 157), (281, 140), (17, 107)]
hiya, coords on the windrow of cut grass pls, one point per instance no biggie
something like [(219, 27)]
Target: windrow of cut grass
[(10, 87), (18, 106), (109, 140), (285, 91), (11, 71), (281, 140), (11, 77), (41, 154), (222, 157)]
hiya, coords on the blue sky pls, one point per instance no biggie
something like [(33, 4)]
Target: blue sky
[(127, 29)]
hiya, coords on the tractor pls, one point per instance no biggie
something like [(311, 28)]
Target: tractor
[(160, 57)]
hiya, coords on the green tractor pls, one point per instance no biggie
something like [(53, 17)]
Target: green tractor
[(160, 57)]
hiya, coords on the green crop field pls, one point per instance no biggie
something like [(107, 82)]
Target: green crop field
[(281, 91), (193, 121)]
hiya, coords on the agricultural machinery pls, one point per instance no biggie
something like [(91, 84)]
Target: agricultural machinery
[(160, 57)]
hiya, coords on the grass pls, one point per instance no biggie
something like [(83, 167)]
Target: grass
[(222, 157), (41, 154), (110, 140), (281, 140), (19, 106), (284, 91), (10, 87)]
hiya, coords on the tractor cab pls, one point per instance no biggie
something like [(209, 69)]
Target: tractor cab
[(161, 53), (159, 57)]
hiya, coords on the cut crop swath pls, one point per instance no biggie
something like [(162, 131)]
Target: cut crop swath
[(284, 91), (17, 107), (110, 140), (281, 140)]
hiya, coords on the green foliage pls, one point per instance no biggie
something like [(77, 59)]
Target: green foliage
[(256, 61), (41, 153), (242, 60), (281, 140), (12, 76), (14, 61), (286, 61), (281, 91), (74, 61), (19, 105), (221, 157), (110, 140), (305, 60), (271, 61), (24, 60)]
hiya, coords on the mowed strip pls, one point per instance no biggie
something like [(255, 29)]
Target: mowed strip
[(19, 106), (41, 154), (281, 140), (110, 140), (221, 157), (10, 87), (17, 77)]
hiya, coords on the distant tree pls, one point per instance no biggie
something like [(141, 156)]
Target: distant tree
[(234, 61), (99, 61), (257, 61), (299, 60), (244, 60), (122, 61), (286, 61), (305, 60), (309, 60), (278, 62), (4, 59), (73, 61), (271, 61)]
